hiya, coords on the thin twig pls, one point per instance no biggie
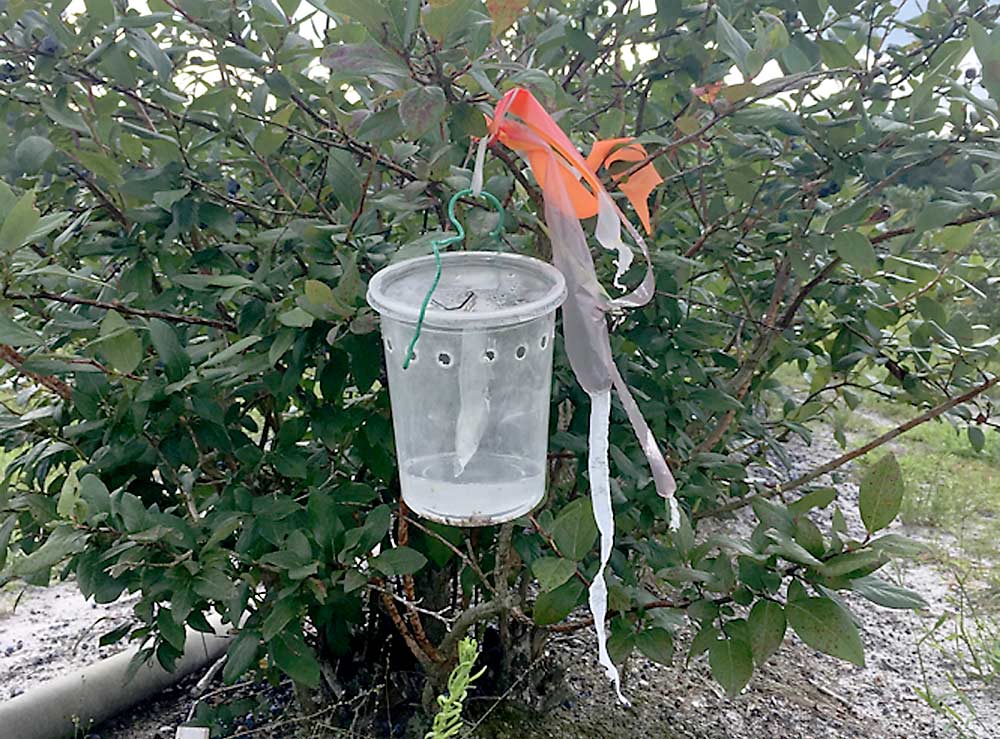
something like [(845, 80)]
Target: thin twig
[(123, 308), (843, 459), (51, 383)]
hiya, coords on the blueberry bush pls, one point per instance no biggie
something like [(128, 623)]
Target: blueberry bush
[(193, 196)]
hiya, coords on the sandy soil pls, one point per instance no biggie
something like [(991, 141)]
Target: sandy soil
[(46, 632), (799, 694)]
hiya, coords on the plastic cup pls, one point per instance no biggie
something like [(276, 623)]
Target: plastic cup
[(471, 412)]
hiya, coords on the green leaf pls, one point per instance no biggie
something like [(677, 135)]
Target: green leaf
[(46, 225), (241, 655), (282, 342), (218, 219), (504, 13), (771, 35), (166, 198), (820, 498), (445, 18), (68, 496), (702, 641), (372, 15), (422, 108), (850, 215), (296, 318), (32, 153), (294, 657), (553, 571), (621, 641), (329, 303), (318, 292), (731, 661), (152, 54), (770, 116), (899, 546), (825, 626), (95, 494), (466, 121), (175, 360), (350, 288), (809, 536), (362, 60), (239, 56), (101, 165), (932, 310), (987, 45), (958, 238), (170, 630), (19, 223), (656, 644), (936, 214), (766, 624), (344, 179), (575, 530), (399, 561), (281, 614), (354, 580), (119, 344), (555, 605), (733, 45), (976, 437), (881, 493), (836, 55), (888, 595), (381, 126), (6, 529), (60, 114), (62, 542), (230, 352), (790, 549), (855, 249), (773, 516), (15, 334), (845, 564)]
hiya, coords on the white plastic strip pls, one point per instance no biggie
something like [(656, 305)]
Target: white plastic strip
[(662, 477), (477, 170), (644, 292), (600, 495), (609, 235), (474, 377)]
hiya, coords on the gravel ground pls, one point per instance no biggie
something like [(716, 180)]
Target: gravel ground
[(799, 694)]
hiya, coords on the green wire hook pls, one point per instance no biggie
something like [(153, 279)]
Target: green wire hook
[(436, 245)]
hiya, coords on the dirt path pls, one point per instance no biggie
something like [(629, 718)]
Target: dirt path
[(799, 694)]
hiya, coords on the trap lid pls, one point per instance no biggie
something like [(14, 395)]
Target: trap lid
[(476, 289)]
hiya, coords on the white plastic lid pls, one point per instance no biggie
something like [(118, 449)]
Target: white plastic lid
[(477, 288)]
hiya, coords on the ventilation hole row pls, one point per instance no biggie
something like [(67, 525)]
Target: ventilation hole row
[(490, 355)]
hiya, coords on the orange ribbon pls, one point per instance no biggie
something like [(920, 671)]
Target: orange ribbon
[(583, 194)]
